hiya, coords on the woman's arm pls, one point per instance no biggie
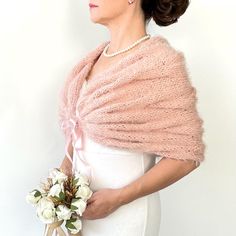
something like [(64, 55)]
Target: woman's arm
[(66, 165), (164, 173)]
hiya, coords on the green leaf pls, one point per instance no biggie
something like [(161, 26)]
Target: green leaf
[(37, 193), (75, 181), (62, 195), (72, 219), (74, 200), (73, 208), (69, 225)]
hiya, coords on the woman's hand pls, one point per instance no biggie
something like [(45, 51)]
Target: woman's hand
[(102, 203)]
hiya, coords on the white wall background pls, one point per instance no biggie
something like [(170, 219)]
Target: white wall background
[(39, 43)]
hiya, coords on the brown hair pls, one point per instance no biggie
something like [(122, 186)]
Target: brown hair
[(164, 12)]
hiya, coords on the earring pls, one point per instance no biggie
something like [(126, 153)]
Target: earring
[(130, 2)]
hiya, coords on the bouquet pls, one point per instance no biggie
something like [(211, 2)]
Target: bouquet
[(59, 199)]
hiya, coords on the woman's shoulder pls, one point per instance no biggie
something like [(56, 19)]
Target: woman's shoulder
[(160, 55), (164, 49)]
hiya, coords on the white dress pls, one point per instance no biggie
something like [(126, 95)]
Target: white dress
[(114, 168)]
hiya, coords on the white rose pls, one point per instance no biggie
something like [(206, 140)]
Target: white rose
[(83, 192), (56, 189), (57, 176), (63, 212), (81, 179), (78, 205), (74, 226), (33, 197), (46, 210)]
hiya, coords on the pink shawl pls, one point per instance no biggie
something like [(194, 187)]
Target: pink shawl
[(144, 102)]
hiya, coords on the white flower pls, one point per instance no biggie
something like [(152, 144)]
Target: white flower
[(81, 179), (33, 197), (83, 192), (56, 189), (57, 176), (74, 225), (78, 205), (63, 212), (46, 210), (44, 193)]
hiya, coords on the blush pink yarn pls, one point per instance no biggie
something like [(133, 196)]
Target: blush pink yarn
[(144, 102)]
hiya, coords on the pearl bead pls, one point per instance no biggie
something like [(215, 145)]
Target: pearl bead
[(126, 49)]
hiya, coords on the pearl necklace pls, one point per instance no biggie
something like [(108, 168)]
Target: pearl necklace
[(126, 49)]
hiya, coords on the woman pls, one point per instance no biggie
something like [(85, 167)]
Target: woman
[(125, 183)]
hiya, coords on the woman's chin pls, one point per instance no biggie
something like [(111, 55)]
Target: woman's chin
[(94, 18)]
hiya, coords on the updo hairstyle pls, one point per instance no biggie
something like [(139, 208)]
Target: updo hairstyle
[(164, 12)]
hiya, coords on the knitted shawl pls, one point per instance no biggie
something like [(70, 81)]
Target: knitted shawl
[(144, 102)]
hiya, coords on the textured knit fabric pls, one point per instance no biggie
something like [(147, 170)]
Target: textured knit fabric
[(143, 102)]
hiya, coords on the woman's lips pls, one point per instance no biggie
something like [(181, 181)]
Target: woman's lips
[(92, 5)]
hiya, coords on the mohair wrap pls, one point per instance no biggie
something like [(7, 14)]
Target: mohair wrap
[(144, 102)]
